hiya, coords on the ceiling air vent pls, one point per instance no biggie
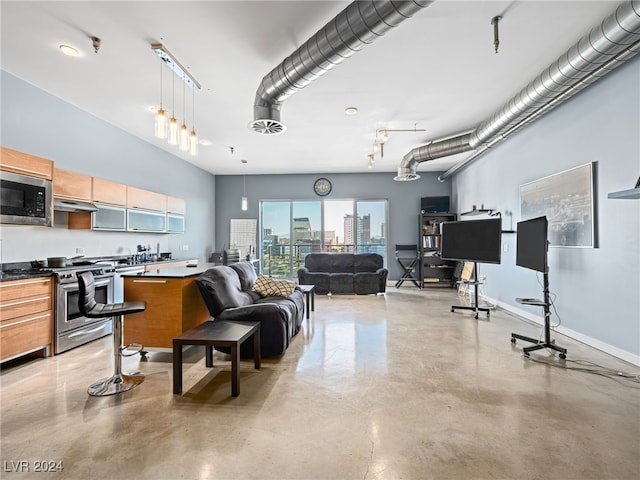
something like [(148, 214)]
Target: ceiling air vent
[(267, 127)]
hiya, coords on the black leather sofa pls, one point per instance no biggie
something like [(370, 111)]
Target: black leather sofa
[(228, 295), (360, 273)]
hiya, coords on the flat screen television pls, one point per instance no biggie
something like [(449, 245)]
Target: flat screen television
[(472, 240), (434, 204), (531, 244)]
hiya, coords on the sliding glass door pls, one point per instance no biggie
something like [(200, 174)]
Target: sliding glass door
[(292, 229)]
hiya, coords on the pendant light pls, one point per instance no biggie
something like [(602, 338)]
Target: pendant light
[(245, 202), (173, 122), (193, 138), (161, 116), (184, 131)]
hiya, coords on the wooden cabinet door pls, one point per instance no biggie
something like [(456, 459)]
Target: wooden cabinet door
[(109, 193), (176, 205), (26, 316), (146, 200), (72, 185), (25, 164)]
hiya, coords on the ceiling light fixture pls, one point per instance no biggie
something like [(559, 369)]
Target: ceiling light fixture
[(68, 50), (187, 140), (245, 202), (350, 111), (381, 137), (161, 116)]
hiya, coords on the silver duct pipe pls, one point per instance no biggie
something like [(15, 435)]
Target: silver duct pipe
[(356, 26), (612, 37), (611, 65)]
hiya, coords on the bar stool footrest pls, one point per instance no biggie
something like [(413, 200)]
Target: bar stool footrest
[(137, 348)]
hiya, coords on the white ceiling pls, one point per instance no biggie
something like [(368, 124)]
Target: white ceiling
[(436, 71)]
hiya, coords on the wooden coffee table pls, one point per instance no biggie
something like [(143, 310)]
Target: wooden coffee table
[(220, 333)]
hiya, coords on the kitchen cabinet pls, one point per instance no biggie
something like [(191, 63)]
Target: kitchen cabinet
[(109, 218), (176, 205), (109, 193), (71, 185), (146, 221), (26, 317), (174, 305), (138, 198), (175, 223), (25, 164)]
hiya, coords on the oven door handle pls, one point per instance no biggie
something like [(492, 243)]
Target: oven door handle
[(86, 332)]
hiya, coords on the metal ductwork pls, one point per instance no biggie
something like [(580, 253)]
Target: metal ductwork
[(604, 48), (356, 26)]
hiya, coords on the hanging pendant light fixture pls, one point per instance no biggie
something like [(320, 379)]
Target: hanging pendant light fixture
[(173, 122), (245, 202), (178, 134), (193, 138), (184, 131), (161, 116)]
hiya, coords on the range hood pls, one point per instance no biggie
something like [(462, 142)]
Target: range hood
[(62, 205)]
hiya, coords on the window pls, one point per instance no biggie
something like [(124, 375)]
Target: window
[(292, 229)]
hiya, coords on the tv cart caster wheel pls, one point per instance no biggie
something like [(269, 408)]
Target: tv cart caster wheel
[(526, 354), (452, 310), (562, 356), (513, 340), (476, 316)]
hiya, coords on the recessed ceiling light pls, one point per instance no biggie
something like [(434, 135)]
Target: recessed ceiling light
[(350, 110), (204, 142), (69, 51)]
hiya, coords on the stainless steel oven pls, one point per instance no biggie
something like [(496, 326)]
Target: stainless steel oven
[(73, 329), (25, 200)]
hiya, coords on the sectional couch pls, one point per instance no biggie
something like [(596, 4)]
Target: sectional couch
[(339, 273)]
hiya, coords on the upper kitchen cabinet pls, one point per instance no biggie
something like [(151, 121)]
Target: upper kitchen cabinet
[(109, 193), (176, 205), (25, 164), (71, 185), (146, 200)]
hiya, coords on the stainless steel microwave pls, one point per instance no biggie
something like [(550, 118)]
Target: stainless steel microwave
[(25, 200)]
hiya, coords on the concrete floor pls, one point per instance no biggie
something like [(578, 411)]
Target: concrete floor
[(386, 387)]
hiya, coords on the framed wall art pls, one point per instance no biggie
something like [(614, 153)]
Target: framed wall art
[(567, 200)]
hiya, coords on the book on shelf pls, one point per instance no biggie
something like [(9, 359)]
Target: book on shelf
[(430, 241)]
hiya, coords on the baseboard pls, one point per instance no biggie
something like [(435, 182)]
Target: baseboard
[(580, 337)]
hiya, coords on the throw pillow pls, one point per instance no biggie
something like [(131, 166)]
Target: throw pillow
[(270, 287)]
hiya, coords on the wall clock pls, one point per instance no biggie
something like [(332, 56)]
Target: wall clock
[(322, 187)]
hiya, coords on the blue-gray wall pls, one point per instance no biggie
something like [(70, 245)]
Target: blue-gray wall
[(403, 200), (598, 289), (35, 122)]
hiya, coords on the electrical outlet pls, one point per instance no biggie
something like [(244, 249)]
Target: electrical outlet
[(80, 250), (185, 248), (505, 247)]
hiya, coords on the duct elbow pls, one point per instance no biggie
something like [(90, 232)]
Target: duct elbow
[(407, 171), (266, 117)]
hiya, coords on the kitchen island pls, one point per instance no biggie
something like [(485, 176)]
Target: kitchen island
[(174, 305)]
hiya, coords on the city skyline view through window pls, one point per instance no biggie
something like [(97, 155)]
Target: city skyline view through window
[(292, 229)]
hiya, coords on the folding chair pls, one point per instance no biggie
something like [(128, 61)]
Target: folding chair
[(408, 257)]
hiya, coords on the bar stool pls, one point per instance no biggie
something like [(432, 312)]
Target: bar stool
[(408, 257), (118, 382)]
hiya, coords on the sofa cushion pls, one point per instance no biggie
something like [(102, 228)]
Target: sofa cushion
[(341, 263), (221, 289), (247, 274), (319, 279), (341, 283), (318, 262), (271, 287), (365, 283), (367, 262)]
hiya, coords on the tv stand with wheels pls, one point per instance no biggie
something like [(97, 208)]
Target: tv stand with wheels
[(475, 308), (547, 342)]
